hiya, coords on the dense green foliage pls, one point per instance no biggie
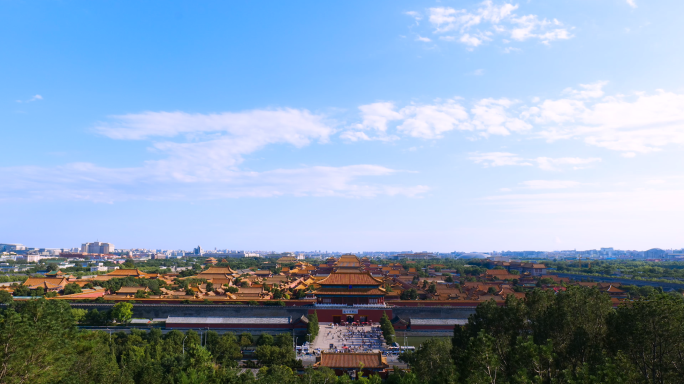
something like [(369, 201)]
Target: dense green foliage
[(312, 328), (72, 288), (387, 328), (568, 337), (39, 343), (633, 269)]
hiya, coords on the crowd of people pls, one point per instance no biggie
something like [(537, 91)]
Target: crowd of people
[(354, 338)]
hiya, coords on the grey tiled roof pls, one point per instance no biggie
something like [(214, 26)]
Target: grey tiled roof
[(227, 320)]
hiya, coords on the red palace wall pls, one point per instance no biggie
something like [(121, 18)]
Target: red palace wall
[(374, 315)]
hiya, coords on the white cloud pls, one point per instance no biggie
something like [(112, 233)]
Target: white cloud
[(414, 14), (431, 121), (590, 91), (423, 121), (550, 184), (202, 161), (631, 3), (85, 181), (632, 124), (491, 116), (34, 98), (295, 126), (472, 41), (553, 164), (423, 39), (498, 159), (474, 27), (639, 123), (377, 115), (531, 27)]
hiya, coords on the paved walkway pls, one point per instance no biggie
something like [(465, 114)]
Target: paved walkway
[(354, 339)]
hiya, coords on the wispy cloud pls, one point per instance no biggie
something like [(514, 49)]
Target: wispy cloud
[(632, 124), (488, 21), (636, 123), (432, 121), (34, 98), (498, 159), (416, 120), (631, 3), (201, 156), (550, 184)]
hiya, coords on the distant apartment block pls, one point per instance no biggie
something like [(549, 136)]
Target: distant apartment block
[(12, 247), (97, 247)]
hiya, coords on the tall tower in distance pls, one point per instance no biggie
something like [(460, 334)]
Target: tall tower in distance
[(97, 248)]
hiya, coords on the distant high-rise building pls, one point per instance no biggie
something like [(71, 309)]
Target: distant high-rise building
[(97, 247), (197, 251)]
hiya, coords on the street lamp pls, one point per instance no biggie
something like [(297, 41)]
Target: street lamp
[(186, 336)]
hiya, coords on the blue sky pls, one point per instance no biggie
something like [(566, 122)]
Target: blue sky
[(350, 126)]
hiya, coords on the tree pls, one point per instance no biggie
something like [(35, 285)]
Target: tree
[(272, 355), (71, 288), (265, 339), (246, 339), (313, 327), (650, 334), (432, 362), (92, 360), (226, 350), (409, 294), (276, 375), (78, 314), (122, 312), (36, 341), (22, 290), (5, 297), (141, 294), (322, 375), (387, 328)]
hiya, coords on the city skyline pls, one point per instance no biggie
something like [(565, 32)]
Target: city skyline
[(394, 125)]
